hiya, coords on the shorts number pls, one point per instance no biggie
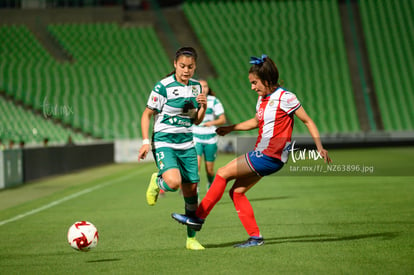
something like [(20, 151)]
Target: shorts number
[(160, 156)]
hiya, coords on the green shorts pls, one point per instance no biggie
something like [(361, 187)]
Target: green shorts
[(208, 150), (184, 160)]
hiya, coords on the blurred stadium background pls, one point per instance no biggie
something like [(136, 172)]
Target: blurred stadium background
[(80, 71)]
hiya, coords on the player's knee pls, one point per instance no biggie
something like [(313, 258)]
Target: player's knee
[(222, 172), (226, 173), (173, 183), (210, 172)]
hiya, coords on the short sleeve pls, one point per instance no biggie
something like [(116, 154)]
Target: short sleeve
[(157, 97), (289, 102), (218, 107)]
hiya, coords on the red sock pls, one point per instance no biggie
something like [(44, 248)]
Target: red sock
[(246, 215), (213, 195)]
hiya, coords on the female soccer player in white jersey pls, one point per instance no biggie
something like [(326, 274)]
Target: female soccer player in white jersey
[(176, 103), (205, 133), (274, 118)]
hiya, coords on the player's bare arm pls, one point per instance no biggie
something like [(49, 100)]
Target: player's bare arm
[(145, 124), (313, 130), (242, 126), (219, 121), (202, 101)]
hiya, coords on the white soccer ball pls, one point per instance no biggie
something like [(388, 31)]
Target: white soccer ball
[(83, 236)]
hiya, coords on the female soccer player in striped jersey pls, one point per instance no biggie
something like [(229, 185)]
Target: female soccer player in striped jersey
[(176, 103), (274, 118), (205, 133)]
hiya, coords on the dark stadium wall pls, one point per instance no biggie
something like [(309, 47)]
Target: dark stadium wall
[(42, 17), (42, 162)]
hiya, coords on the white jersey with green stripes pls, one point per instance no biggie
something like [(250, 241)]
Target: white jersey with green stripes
[(176, 108), (208, 134)]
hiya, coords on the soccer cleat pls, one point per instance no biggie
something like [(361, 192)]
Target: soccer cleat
[(153, 190), (252, 241), (192, 222), (193, 244)]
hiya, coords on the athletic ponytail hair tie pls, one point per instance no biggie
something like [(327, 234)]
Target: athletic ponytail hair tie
[(258, 60)]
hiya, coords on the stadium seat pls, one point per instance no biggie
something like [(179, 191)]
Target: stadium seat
[(303, 37), (30, 128), (390, 42), (107, 85)]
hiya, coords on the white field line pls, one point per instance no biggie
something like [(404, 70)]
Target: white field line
[(75, 195)]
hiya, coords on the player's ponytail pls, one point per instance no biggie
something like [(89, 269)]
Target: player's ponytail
[(265, 69)]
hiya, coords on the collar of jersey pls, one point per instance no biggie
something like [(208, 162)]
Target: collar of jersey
[(181, 84), (267, 96)]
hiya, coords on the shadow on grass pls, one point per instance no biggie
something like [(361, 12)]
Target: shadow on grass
[(104, 260), (316, 239), (261, 199)]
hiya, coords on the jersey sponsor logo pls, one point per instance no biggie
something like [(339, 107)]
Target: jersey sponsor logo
[(157, 88), (154, 98), (184, 123), (189, 109), (175, 92), (291, 99), (177, 121)]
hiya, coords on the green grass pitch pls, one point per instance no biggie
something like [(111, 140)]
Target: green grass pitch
[(314, 221)]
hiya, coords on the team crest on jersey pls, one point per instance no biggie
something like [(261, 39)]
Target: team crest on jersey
[(195, 91)]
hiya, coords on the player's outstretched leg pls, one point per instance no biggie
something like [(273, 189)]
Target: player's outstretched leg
[(153, 190), (192, 222)]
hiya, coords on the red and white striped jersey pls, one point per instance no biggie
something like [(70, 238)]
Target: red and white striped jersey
[(275, 115)]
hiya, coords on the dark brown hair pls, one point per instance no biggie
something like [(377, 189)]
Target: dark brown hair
[(267, 72), (186, 51)]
